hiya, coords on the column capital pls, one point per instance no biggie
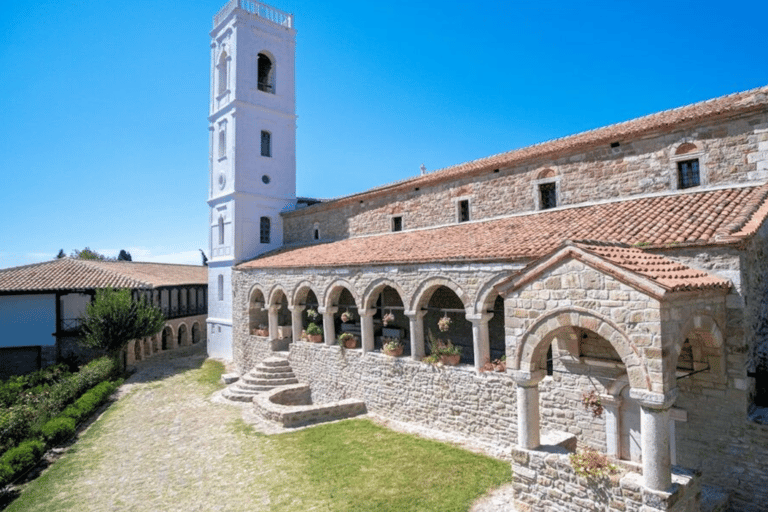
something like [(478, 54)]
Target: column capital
[(479, 317), (527, 379), (366, 312), (413, 315), (651, 400), (332, 310), (297, 307)]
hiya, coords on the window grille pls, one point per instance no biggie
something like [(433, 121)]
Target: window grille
[(266, 143), (264, 229), (548, 193), (688, 174)]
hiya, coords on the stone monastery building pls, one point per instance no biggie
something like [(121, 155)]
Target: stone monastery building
[(630, 261)]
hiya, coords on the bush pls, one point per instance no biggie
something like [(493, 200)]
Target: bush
[(59, 430), (24, 455), (6, 474), (26, 419)]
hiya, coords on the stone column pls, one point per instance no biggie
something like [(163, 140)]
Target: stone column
[(481, 344), (366, 328), (654, 430), (329, 329), (528, 430), (417, 333), (611, 408), (296, 325), (272, 321)]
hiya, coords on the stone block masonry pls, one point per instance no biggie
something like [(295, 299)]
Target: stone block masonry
[(544, 479)]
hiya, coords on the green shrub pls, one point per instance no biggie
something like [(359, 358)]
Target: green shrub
[(24, 455), (6, 474), (59, 429), (34, 409)]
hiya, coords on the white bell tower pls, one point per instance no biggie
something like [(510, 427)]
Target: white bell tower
[(252, 147)]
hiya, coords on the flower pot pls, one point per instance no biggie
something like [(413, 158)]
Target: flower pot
[(395, 353), (315, 338), (450, 360), (350, 342)]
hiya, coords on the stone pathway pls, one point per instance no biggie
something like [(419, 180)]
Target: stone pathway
[(170, 447)]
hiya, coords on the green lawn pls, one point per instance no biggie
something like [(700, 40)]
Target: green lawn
[(211, 460)]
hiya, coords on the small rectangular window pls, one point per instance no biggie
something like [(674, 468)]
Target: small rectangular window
[(397, 223), (266, 144), (264, 230), (548, 193), (463, 210), (220, 284), (688, 173)]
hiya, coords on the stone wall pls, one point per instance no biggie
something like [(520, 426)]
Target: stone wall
[(450, 399), (729, 153), (545, 480)]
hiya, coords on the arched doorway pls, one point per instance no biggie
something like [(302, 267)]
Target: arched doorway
[(196, 333), (166, 338), (183, 338)]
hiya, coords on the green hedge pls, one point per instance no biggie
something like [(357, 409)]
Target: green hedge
[(26, 418), (17, 460)]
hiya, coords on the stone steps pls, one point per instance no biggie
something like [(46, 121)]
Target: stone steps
[(271, 373)]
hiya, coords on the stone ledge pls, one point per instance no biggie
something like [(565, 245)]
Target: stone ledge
[(291, 406)]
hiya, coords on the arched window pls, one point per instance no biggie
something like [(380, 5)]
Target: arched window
[(316, 231), (266, 78), (266, 143), (221, 287), (221, 230), (223, 72), (264, 230)]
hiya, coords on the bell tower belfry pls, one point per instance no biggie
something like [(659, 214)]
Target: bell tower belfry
[(252, 147)]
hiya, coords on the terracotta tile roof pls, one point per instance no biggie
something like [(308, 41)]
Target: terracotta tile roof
[(753, 100), (669, 274), (68, 274), (710, 217)]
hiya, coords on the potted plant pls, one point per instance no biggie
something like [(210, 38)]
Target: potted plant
[(314, 333), (262, 330), (442, 351), (497, 365), (387, 319), (348, 340), (312, 314), (392, 347), (347, 316)]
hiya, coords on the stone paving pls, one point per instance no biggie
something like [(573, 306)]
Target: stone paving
[(172, 448)]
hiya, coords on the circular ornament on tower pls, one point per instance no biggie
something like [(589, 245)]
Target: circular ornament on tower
[(266, 179), (222, 180)]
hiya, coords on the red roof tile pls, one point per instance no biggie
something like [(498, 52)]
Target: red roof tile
[(753, 100), (682, 219), (68, 274), (667, 273)]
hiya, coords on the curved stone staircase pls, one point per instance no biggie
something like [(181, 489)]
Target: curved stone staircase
[(271, 373)]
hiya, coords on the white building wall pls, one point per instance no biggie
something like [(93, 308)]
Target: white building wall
[(27, 320)]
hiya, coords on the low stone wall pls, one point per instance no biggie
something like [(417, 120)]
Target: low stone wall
[(544, 479), (449, 399), (291, 406)]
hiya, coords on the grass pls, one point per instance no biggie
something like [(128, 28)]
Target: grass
[(358, 465), (224, 464)]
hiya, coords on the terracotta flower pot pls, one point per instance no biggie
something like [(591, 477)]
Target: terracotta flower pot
[(395, 353), (350, 342), (315, 338), (450, 360)]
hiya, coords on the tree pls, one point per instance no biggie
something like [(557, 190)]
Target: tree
[(89, 254), (205, 258), (124, 256), (114, 318), (61, 254)]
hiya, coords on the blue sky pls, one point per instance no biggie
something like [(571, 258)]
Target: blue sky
[(105, 138)]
